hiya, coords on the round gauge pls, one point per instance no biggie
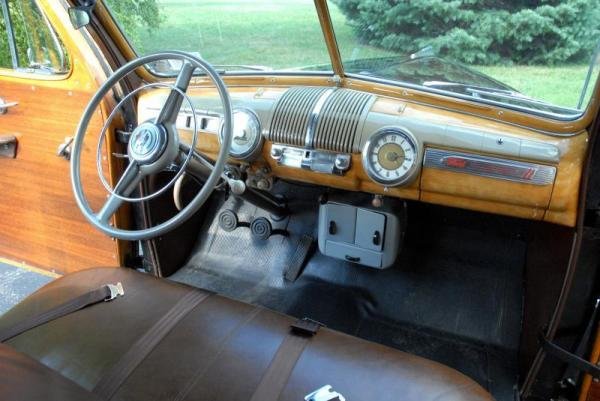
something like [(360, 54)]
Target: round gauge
[(246, 134), (390, 156)]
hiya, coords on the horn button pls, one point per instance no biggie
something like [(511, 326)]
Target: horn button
[(147, 143)]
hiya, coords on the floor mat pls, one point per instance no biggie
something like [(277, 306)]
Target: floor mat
[(454, 295), (18, 281)]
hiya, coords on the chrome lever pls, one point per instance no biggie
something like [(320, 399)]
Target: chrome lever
[(4, 106), (64, 149)]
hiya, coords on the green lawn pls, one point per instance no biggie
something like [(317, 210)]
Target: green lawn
[(560, 85), (286, 34)]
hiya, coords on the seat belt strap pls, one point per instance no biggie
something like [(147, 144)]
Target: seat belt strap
[(107, 292), (277, 374), (116, 376), (571, 359)]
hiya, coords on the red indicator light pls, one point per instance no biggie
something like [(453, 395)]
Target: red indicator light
[(528, 174), (456, 162)]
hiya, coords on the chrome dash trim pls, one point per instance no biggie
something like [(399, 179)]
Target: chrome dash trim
[(490, 167), (314, 117)]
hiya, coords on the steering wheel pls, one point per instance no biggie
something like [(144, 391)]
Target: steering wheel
[(153, 146)]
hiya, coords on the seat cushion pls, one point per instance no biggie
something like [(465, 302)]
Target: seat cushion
[(221, 350), (24, 378)]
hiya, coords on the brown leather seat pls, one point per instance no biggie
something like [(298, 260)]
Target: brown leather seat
[(220, 351)]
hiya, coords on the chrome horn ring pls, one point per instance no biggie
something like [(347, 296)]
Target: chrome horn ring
[(107, 123)]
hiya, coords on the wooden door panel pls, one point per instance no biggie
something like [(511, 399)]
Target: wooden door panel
[(40, 222)]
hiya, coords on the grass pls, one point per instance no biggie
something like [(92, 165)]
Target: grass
[(286, 34), (560, 85)]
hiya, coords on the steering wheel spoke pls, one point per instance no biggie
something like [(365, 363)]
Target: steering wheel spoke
[(169, 111), (132, 176)]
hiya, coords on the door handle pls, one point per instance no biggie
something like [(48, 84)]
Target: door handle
[(4, 105), (8, 146)]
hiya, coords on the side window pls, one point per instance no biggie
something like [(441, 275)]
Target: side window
[(37, 47), (5, 56)]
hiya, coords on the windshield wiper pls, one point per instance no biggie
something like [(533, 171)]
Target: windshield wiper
[(243, 66), (502, 95), (171, 68), (472, 88)]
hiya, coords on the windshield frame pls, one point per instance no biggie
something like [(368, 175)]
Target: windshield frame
[(541, 121)]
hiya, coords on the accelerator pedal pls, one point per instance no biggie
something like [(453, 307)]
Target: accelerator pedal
[(296, 263)]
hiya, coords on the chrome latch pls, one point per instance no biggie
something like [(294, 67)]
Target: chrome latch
[(319, 161), (116, 290), (325, 393)]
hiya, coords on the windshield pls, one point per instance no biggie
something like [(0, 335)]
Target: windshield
[(527, 54), (530, 55), (244, 35)]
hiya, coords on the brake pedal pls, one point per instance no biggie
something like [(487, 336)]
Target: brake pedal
[(261, 228)]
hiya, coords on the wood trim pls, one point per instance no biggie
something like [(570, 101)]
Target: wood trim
[(329, 35), (42, 225), (590, 389)]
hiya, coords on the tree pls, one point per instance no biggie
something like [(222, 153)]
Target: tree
[(481, 31), (135, 17)]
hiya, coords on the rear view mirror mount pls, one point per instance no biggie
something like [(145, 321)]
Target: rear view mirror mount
[(81, 15)]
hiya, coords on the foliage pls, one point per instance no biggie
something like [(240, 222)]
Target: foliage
[(35, 42), (543, 32), (136, 17)]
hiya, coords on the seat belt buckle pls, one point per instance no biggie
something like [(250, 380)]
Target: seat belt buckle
[(116, 290), (325, 393), (306, 327)]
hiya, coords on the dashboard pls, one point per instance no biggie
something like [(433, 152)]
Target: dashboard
[(354, 140)]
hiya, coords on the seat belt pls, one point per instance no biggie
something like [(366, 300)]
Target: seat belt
[(571, 359), (107, 292), (277, 375), (116, 376)]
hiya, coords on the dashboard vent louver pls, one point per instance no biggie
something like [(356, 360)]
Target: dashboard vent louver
[(292, 114), (339, 121), (334, 125)]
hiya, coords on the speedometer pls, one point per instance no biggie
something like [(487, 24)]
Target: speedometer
[(247, 137), (390, 156)]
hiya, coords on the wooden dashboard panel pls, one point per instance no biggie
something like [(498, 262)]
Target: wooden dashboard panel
[(434, 128)]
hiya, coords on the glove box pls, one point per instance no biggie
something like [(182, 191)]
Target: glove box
[(370, 237)]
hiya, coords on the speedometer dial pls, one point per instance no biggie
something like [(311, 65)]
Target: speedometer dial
[(246, 134), (390, 156)]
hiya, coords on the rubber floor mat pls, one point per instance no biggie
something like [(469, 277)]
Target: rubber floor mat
[(454, 295)]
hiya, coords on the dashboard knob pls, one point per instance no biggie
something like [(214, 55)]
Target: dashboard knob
[(263, 184), (276, 153), (342, 162)]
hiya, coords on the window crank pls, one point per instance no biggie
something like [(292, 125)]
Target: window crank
[(64, 149)]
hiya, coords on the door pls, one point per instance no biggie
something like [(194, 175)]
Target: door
[(44, 87)]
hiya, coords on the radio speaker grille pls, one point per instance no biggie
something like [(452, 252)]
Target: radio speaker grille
[(337, 123)]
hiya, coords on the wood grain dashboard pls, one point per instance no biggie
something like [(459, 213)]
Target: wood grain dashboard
[(492, 148)]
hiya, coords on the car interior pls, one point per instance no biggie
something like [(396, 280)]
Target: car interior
[(290, 236)]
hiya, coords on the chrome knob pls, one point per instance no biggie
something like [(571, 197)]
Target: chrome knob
[(342, 162), (276, 153)]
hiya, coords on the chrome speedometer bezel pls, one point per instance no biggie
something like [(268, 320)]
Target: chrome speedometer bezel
[(368, 167), (256, 145)]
